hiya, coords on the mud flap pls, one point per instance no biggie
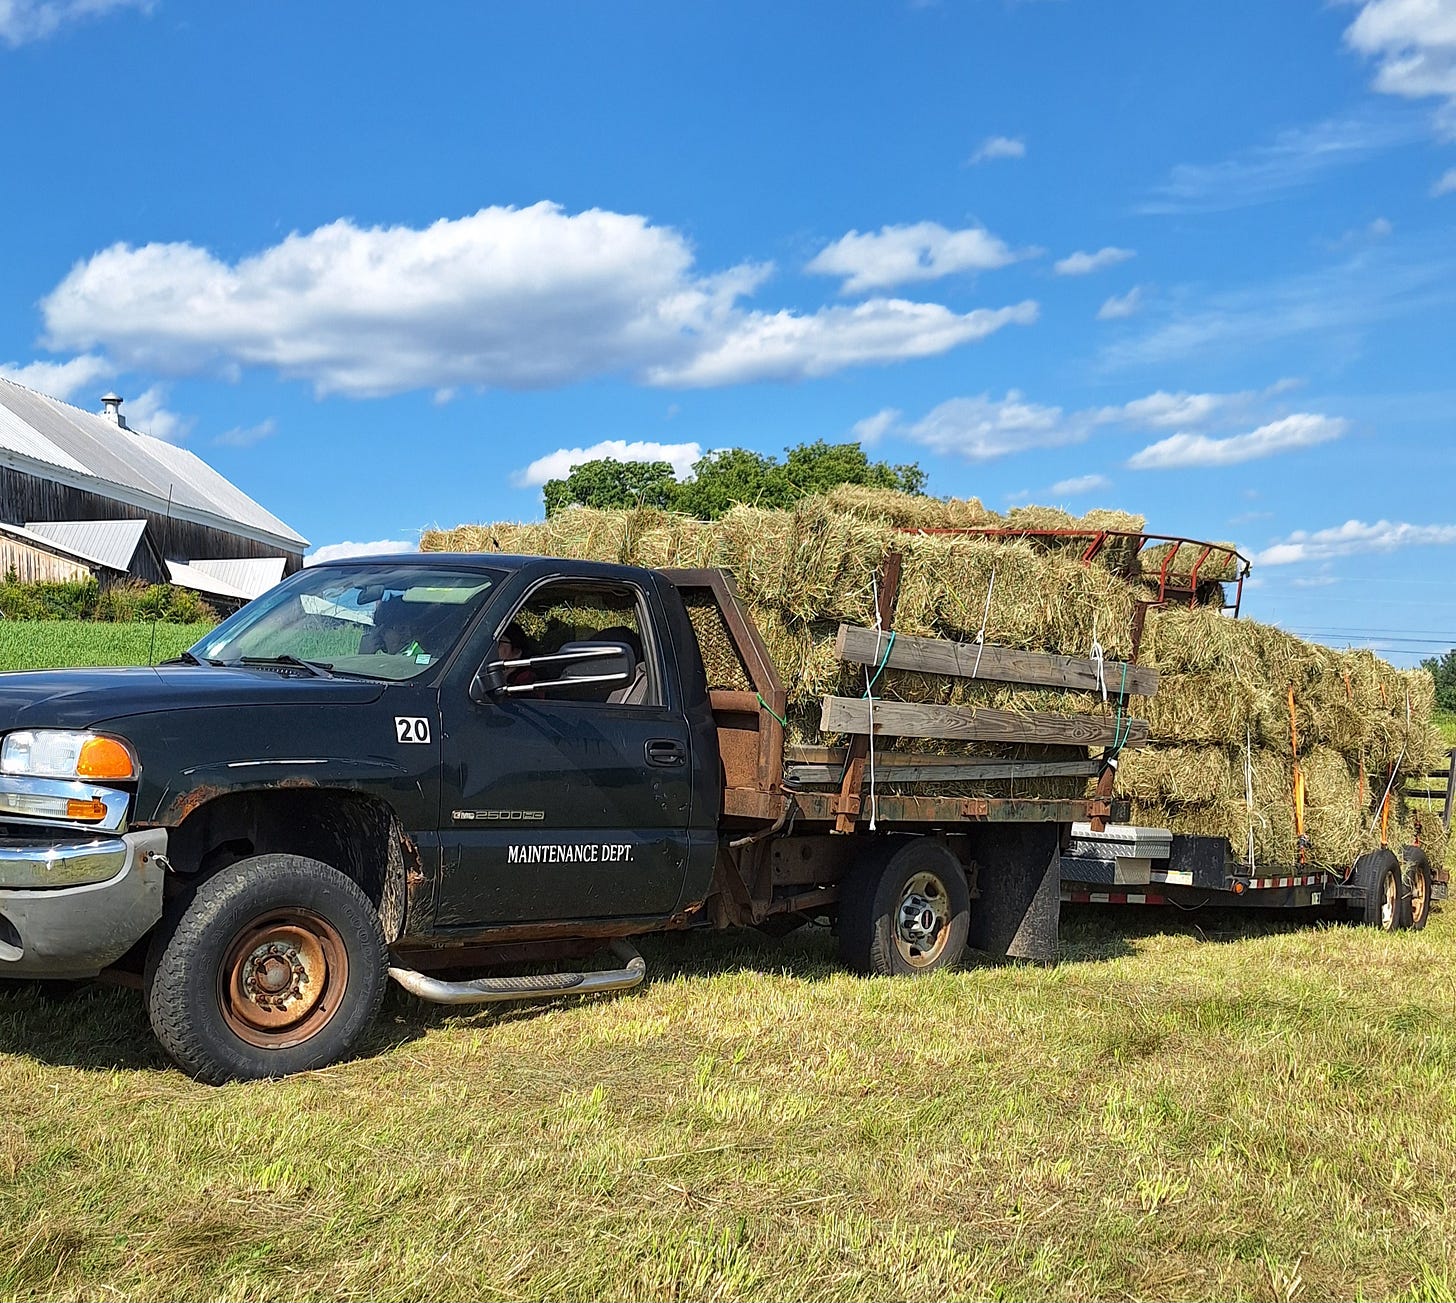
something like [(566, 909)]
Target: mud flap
[(1018, 912)]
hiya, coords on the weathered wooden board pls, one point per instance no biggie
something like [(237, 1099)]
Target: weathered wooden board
[(958, 771), (965, 724), (1001, 664)]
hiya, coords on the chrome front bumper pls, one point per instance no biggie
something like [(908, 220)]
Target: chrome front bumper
[(73, 927)]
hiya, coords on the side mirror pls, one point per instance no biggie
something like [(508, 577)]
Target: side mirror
[(488, 681)]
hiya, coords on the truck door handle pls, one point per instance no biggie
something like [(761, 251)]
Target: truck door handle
[(666, 752)]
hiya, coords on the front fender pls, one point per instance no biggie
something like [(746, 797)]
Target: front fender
[(195, 787)]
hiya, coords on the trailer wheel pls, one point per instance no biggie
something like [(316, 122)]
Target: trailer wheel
[(1418, 883), (1387, 904), (904, 910), (275, 965)]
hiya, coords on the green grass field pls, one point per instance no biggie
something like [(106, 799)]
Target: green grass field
[(1191, 1105), (28, 644), (1186, 1107)]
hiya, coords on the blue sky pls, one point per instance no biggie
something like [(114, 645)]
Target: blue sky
[(389, 267)]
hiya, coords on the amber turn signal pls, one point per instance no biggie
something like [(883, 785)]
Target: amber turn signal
[(104, 757), (85, 810)]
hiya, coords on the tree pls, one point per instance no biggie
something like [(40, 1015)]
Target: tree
[(722, 480), (607, 483), (1443, 670)]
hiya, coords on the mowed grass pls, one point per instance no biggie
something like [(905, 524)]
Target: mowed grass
[(32, 644), (1186, 1107), (1189, 1106)]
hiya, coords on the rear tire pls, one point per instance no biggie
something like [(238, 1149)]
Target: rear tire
[(1387, 903), (1418, 880), (274, 965), (905, 910)]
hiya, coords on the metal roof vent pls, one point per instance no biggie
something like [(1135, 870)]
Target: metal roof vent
[(111, 409)]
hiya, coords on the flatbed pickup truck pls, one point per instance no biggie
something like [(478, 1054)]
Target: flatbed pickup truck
[(444, 769)]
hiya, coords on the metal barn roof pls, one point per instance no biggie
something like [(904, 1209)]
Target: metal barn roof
[(253, 576), (109, 543), (184, 576), (63, 443)]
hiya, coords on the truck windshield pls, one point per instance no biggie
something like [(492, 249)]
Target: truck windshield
[(380, 621)]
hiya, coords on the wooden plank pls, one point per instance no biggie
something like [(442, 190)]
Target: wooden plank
[(950, 810), (952, 773), (1001, 664), (964, 724)]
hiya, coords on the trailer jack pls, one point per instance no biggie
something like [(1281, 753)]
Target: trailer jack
[(485, 990)]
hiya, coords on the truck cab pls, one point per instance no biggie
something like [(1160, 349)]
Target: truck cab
[(346, 776)]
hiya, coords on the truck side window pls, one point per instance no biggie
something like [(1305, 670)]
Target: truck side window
[(560, 615)]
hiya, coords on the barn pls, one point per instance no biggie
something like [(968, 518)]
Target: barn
[(84, 495)]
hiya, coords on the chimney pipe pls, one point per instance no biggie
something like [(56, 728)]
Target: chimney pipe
[(111, 409)]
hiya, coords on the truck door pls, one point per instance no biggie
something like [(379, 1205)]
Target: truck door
[(564, 801)]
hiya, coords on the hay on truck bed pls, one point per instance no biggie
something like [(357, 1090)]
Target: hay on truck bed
[(1222, 706)]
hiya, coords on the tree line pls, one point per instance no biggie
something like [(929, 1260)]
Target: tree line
[(721, 480)]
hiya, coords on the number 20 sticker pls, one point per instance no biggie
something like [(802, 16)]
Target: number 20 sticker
[(411, 728)]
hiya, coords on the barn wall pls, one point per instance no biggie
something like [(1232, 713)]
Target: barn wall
[(26, 497), (31, 565)]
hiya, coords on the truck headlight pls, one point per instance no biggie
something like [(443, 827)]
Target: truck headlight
[(64, 753)]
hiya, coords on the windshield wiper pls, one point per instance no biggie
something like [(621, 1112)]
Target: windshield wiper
[(319, 669), (190, 658)]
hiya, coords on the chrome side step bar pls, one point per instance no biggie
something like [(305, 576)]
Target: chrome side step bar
[(485, 990)]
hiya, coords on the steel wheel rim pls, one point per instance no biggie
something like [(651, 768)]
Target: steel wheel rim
[(1418, 896), (1389, 897), (922, 920), (282, 978)]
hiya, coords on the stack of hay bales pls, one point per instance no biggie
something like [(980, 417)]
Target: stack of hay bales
[(1222, 762), (1221, 713)]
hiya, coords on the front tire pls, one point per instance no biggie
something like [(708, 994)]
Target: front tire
[(274, 965), (905, 911)]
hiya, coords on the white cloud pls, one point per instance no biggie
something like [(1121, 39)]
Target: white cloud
[(1413, 43), (999, 147), (1119, 307), (1445, 184), (1296, 157), (22, 21), (984, 428), (1165, 411), (1380, 228), (516, 298), (64, 380), (1352, 537), (873, 428), (786, 346), (897, 255), (1301, 430), (1078, 485), (557, 465), (1082, 264), (338, 551), (246, 436), (147, 414)]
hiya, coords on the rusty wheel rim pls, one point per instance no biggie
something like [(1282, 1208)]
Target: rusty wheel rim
[(1418, 896), (1389, 900), (282, 978), (922, 920)]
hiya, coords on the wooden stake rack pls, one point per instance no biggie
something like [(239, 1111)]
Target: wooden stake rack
[(860, 716)]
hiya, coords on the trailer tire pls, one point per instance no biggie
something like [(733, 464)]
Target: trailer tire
[(1387, 902), (905, 910), (274, 965), (1418, 880)]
